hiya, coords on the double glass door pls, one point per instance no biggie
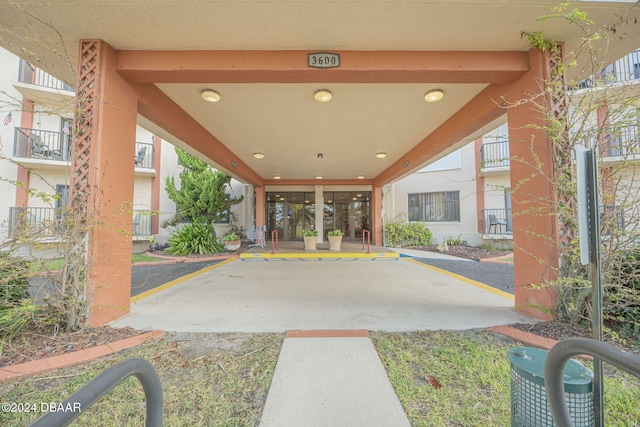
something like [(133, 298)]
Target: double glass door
[(347, 211), (291, 212)]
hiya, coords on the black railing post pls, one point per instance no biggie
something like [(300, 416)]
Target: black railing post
[(102, 384)]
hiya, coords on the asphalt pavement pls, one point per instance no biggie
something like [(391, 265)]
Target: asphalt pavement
[(146, 277), (499, 276)]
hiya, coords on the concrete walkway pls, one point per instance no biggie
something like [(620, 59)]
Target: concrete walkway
[(331, 381), (332, 377), (276, 296)]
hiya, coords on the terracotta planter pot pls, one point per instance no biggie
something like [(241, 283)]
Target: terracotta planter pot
[(310, 243), (334, 242), (232, 245)]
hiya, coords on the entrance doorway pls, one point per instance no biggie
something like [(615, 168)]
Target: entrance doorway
[(347, 211), (291, 212)]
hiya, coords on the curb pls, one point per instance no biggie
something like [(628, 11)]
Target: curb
[(523, 337), (529, 339), (178, 260), (499, 260), (35, 367)]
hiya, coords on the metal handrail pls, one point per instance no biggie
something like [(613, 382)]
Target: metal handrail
[(102, 384), (558, 357), (274, 233), (368, 234)]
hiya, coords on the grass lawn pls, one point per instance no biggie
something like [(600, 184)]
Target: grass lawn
[(473, 370), (226, 385), (58, 263)]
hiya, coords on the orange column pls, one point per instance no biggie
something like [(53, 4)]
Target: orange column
[(155, 184), (535, 227), (479, 184), (26, 121), (376, 216), (260, 207), (102, 175)]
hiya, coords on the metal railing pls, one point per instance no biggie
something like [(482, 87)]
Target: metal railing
[(623, 70), (494, 154), (142, 222), (144, 155), (91, 392), (366, 239), (558, 357), (29, 74), (497, 221), (622, 141), (41, 222), (41, 144)]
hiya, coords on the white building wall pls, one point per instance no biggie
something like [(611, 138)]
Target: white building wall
[(455, 172), (9, 103)]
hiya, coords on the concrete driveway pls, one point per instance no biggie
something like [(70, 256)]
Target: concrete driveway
[(275, 296)]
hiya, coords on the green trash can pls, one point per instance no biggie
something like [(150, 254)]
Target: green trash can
[(529, 406)]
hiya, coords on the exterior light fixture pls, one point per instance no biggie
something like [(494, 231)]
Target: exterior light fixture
[(434, 95), (210, 95), (318, 177), (322, 95), (381, 155), (276, 176), (258, 155), (360, 177)]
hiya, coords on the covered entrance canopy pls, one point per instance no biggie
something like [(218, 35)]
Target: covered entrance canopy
[(149, 62)]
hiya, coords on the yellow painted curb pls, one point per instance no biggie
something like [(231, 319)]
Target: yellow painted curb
[(316, 255), (178, 281), (466, 280)]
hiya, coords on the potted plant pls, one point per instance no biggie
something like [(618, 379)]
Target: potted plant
[(232, 241), (310, 239), (335, 239)]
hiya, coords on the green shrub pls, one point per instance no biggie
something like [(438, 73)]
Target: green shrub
[(404, 233), (309, 233), (14, 280), (197, 237)]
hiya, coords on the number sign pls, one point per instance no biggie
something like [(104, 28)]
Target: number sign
[(324, 60)]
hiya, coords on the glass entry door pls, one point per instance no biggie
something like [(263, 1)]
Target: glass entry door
[(290, 213), (350, 213)]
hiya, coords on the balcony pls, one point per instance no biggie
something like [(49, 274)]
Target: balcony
[(623, 142), (41, 146), (50, 149), (623, 70), (497, 223), (48, 222), (43, 88), (494, 156)]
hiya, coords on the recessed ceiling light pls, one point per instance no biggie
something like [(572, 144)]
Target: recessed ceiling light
[(210, 95), (360, 177), (322, 95), (318, 177), (258, 155), (276, 177), (381, 155), (434, 95)]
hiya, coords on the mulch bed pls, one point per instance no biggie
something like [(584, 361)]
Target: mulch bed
[(468, 252), (38, 342)]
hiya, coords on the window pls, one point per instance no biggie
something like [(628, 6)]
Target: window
[(62, 199), (433, 207)]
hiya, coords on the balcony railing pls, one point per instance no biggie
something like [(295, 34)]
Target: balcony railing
[(41, 144), (35, 76), (496, 221), (144, 155), (623, 70), (623, 141), (494, 154), (44, 222), (36, 222)]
